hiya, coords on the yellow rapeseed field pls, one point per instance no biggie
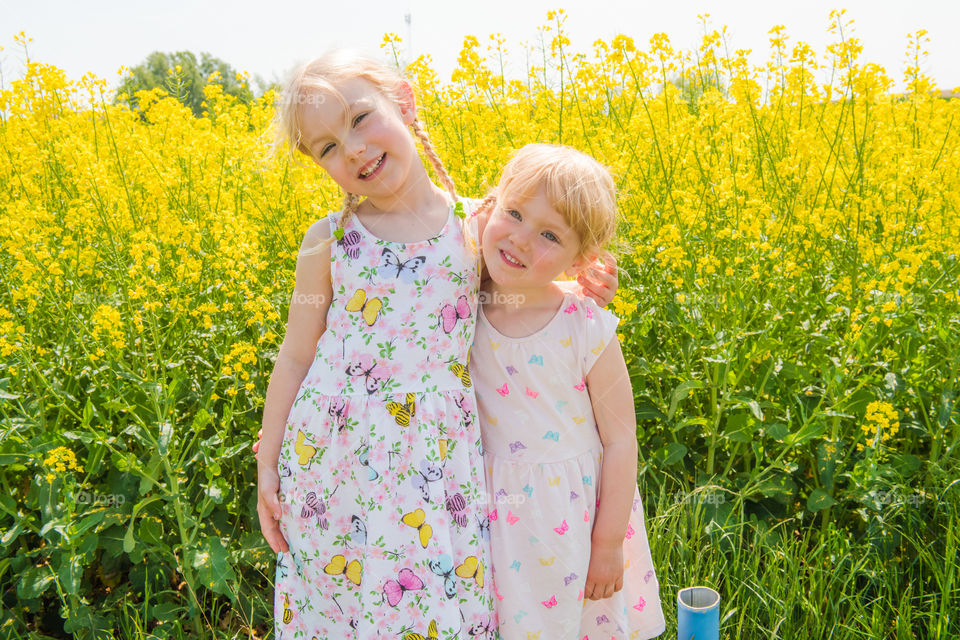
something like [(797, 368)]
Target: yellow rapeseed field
[(789, 279)]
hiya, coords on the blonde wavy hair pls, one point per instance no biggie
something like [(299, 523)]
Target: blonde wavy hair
[(322, 75), (576, 185)]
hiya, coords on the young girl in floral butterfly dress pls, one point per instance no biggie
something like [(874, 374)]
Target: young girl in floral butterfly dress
[(569, 545), (370, 477)]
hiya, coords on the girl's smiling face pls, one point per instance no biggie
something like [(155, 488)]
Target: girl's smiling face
[(527, 243), (366, 148)]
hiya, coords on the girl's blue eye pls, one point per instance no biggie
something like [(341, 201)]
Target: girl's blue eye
[(549, 235), (357, 120), (513, 213)]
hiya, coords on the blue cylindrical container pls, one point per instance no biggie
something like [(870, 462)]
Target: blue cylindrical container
[(698, 614)]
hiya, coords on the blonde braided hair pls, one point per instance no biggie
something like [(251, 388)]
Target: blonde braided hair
[(320, 76)]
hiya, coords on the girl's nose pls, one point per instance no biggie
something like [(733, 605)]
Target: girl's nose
[(355, 147), (520, 239)]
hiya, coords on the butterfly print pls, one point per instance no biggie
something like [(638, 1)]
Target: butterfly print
[(338, 412), (366, 368), (406, 581), (405, 270), (427, 473), (450, 314), (516, 446), (369, 308), (443, 568)]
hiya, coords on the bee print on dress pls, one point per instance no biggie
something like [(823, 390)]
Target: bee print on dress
[(405, 411), (315, 507), (462, 372), (350, 242), (457, 506)]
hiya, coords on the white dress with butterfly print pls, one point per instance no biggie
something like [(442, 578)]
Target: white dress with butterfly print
[(543, 455), (381, 467)]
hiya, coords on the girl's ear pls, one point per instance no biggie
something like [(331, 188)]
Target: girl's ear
[(407, 103)]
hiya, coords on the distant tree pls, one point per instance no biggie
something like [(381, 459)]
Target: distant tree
[(182, 76)]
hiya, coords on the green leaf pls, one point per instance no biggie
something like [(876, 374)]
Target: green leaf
[(680, 393), (34, 582), (128, 541), (149, 479), (739, 427), (70, 574), (212, 563), (826, 463), (674, 453), (819, 499), (807, 432), (12, 534), (778, 431), (780, 486)]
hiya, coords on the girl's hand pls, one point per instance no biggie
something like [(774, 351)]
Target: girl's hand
[(268, 508), (605, 574), (256, 445), (600, 281)]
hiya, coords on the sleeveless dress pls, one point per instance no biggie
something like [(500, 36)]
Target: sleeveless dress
[(381, 470), (543, 459)]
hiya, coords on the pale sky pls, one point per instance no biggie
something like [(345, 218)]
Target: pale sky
[(268, 38)]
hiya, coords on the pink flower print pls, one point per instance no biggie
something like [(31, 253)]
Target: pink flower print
[(378, 456), (378, 290), (410, 438), (342, 523), (379, 495), (427, 291)]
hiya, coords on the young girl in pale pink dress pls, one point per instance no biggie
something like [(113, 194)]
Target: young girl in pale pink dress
[(569, 545)]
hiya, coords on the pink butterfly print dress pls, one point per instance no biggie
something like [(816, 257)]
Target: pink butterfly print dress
[(543, 454), (381, 464)]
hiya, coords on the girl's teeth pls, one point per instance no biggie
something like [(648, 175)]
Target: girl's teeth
[(364, 174), (511, 259)]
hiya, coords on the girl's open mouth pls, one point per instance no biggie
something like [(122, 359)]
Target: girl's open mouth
[(510, 260), (372, 168)]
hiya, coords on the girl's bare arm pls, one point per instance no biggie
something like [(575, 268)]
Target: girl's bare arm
[(306, 322), (608, 383)]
